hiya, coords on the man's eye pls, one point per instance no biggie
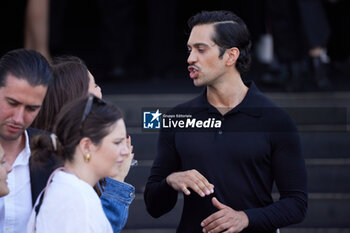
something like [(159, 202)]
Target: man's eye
[(12, 103), (32, 109)]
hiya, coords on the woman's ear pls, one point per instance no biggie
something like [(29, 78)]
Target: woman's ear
[(233, 54), (86, 146)]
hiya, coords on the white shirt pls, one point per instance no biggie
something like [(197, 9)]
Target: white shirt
[(15, 208), (70, 205)]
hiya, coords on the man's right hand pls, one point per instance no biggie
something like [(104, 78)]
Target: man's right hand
[(181, 181)]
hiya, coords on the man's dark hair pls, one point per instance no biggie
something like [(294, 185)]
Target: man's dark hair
[(230, 31), (25, 64)]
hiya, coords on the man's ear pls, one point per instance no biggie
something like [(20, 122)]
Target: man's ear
[(85, 145), (233, 54)]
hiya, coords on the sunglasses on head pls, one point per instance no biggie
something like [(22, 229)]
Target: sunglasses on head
[(90, 101)]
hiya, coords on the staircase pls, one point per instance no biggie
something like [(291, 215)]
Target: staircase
[(322, 120)]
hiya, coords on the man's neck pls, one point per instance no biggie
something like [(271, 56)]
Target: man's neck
[(12, 148), (228, 94)]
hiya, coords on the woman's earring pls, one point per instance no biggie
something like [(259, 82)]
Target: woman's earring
[(87, 157)]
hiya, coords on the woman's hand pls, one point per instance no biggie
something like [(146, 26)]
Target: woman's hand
[(124, 169)]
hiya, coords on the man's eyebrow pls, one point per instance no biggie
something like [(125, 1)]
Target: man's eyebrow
[(12, 100), (197, 45), (17, 102)]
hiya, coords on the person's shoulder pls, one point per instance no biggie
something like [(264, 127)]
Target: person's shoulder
[(64, 191), (75, 189), (261, 99), (274, 116), (277, 117)]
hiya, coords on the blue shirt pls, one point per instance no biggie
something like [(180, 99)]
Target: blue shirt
[(256, 145)]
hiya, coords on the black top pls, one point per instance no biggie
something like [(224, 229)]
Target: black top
[(256, 145)]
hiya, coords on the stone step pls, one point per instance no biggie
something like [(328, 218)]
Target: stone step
[(305, 108), (325, 211), (325, 144), (314, 144), (283, 99), (324, 176)]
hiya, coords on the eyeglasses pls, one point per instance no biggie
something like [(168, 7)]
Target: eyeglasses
[(86, 112)]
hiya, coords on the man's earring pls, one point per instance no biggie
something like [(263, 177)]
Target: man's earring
[(87, 157)]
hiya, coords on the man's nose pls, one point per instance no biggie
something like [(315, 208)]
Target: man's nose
[(191, 58), (18, 116)]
